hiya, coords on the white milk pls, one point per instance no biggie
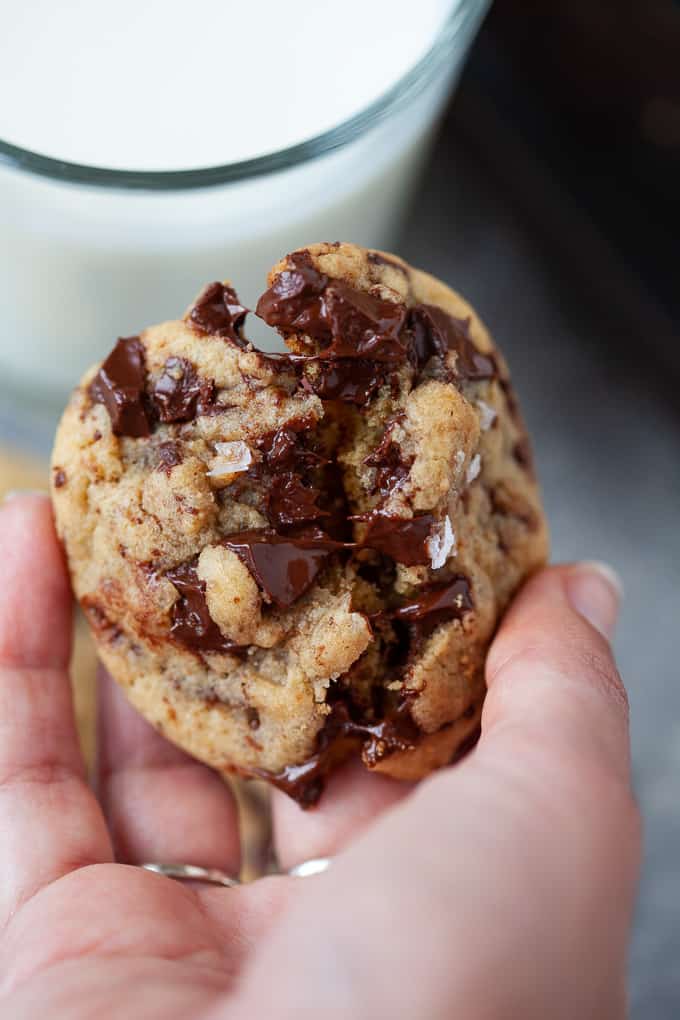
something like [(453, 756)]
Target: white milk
[(147, 85)]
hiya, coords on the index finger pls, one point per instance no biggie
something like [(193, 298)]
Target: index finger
[(50, 822), (553, 686)]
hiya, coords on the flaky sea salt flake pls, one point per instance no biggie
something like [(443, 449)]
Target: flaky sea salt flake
[(487, 416), (231, 459), (474, 468), (441, 543)]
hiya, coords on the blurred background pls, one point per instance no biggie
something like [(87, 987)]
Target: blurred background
[(551, 201)]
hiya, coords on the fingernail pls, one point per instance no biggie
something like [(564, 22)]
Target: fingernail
[(18, 493), (595, 591)]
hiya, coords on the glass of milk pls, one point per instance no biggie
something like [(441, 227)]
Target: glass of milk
[(150, 146)]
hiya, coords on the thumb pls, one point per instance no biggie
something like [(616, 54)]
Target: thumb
[(552, 680), (503, 886)]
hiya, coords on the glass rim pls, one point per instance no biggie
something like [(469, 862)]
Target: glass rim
[(405, 89)]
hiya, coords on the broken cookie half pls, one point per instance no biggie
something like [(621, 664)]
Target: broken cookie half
[(287, 559)]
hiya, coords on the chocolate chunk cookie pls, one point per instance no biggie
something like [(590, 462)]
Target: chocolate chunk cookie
[(290, 558)]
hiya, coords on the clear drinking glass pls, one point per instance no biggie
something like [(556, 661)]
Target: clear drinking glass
[(88, 254)]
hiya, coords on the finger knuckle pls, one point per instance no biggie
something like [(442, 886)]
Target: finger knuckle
[(597, 667), (40, 773)]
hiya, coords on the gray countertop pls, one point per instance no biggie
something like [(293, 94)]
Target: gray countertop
[(607, 440)]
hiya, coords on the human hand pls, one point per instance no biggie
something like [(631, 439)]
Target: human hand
[(498, 888)]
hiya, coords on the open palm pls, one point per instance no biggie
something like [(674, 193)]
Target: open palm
[(432, 890)]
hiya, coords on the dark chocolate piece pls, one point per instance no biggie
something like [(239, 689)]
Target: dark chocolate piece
[(436, 605), (290, 501), (278, 448), (282, 449), (219, 312), (435, 333), (294, 301), (413, 622), (253, 718), (351, 323), (192, 623), (340, 734), (352, 380), (59, 477), (284, 567), (180, 394), (389, 461), (169, 456), (119, 386), (363, 325), (404, 539)]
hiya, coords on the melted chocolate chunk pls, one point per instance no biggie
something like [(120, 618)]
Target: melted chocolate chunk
[(278, 448), (169, 456), (219, 312), (253, 717), (363, 325), (59, 477), (294, 301), (284, 567), (288, 494), (436, 605), (397, 731), (405, 540), (342, 732), (304, 783), (334, 500), (290, 501), (354, 324), (349, 379), (282, 450), (390, 464), (435, 333), (413, 622), (192, 624), (180, 394), (119, 386)]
